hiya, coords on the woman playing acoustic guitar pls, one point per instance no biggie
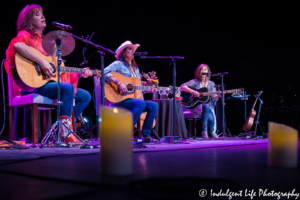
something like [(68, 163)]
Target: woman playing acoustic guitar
[(30, 26), (126, 66), (206, 111)]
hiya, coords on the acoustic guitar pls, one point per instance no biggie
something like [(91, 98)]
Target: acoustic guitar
[(249, 122), (29, 75), (133, 85), (189, 101)]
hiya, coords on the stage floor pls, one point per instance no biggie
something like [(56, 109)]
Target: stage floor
[(33, 153), (174, 171)]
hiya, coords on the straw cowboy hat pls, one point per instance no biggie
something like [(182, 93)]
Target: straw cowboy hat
[(124, 45)]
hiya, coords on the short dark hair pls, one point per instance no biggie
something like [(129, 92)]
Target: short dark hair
[(198, 70)]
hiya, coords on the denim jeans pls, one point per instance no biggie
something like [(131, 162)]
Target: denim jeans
[(137, 107), (82, 97), (208, 119)]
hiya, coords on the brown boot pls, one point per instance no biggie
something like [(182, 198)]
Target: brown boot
[(66, 120)]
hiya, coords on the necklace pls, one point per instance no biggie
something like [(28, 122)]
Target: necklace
[(203, 84)]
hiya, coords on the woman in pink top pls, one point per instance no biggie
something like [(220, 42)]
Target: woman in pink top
[(30, 26)]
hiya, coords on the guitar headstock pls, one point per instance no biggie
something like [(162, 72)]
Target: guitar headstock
[(259, 93)]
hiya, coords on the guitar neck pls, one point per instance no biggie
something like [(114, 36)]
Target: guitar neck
[(256, 100), (76, 70), (254, 104), (210, 93), (143, 87)]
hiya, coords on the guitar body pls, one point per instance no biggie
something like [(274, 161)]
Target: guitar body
[(141, 122), (190, 102), (29, 75), (250, 120), (114, 95)]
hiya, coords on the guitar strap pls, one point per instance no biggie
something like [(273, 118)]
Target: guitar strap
[(198, 85), (133, 74)]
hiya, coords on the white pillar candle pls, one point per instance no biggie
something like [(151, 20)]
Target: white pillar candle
[(116, 141), (283, 144)]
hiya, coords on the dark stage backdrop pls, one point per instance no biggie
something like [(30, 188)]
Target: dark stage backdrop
[(255, 41)]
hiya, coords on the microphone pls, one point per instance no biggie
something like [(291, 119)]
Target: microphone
[(61, 26), (207, 74), (140, 53)]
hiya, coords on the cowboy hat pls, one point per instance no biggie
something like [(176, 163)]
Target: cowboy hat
[(124, 45)]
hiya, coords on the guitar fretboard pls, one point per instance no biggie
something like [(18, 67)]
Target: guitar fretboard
[(210, 93), (143, 87), (76, 70)]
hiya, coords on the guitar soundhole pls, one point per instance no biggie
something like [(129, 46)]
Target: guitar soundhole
[(53, 67), (129, 87)]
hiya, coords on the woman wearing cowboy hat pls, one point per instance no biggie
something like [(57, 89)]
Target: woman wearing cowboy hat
[(126, 65)]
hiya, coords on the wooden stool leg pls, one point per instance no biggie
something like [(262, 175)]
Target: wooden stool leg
[(73, 120), (47, 122), (190, 126), (34, 123), (194, 127), (139, 127), (11, 123)]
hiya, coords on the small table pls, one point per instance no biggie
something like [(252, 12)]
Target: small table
[(164, 118)]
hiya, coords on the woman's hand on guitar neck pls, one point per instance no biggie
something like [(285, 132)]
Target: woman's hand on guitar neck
[(86, 73)]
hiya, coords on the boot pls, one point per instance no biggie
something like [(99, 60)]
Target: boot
[(204, 135), (214, 135), (64, 132)]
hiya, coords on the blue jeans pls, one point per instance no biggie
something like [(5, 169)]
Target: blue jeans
[(137, 107), (208, 119), (82, 97)]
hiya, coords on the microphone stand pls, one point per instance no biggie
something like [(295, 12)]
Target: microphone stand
[(173, 58), (101, 51), (59, 60), (223, 104)]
